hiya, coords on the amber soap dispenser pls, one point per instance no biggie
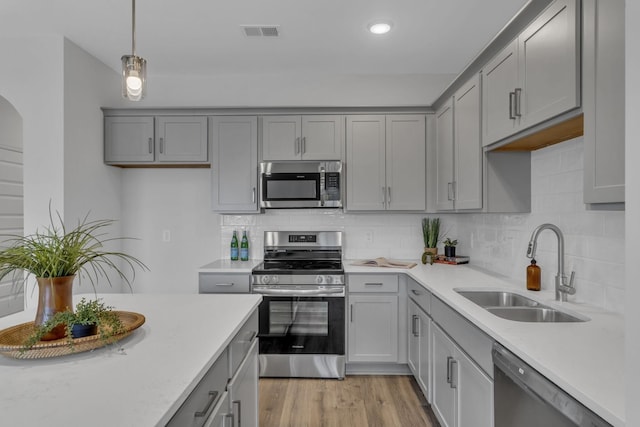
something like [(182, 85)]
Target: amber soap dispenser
[(533, 276)]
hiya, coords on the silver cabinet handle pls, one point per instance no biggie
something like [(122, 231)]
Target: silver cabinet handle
[(512, 97), (351, 312), (373, 284), (449, 359), (414, 328), (296, 146), (150, 145), (449, 190), (226, 284), (161, 145), (253, 195), (239, 411), (389, 194), (415, 292), (384, 197), (518, 101), (213, 396), (454, 369), (304, 144)]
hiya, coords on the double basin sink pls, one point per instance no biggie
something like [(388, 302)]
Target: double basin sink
[(512, 306)]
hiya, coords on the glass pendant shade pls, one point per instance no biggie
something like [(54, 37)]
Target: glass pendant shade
[(134, 77)]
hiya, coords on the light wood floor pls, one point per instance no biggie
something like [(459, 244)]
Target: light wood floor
[(358, 401)]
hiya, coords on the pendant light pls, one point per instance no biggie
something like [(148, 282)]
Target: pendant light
[(134, 68)]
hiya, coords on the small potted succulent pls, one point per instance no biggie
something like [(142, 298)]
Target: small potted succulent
[(450, 247), (89, 318)]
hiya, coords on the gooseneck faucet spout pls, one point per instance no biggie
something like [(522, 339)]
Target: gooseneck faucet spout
[(562, 287)]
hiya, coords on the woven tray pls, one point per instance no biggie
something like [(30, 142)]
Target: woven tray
[(12, 339)]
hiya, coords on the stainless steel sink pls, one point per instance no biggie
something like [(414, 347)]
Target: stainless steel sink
[(512, 306)]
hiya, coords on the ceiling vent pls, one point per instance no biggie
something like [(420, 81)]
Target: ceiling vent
[(261, 30)]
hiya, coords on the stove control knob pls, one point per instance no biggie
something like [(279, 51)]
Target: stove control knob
[(274, 279), (328, 279), (319, 280), (265, 280)]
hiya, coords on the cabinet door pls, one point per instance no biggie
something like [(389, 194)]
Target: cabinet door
[(234, 163), (549, 64), (443, 393), (243, 390), (128, 139), (181, 139), (413, 356), (603, 94), (475, 394), (499, 80), (468, 147), (373, 328), (365, 163), (424, 378), (406, 162), (322, 137), (281, 137), (444, 156)]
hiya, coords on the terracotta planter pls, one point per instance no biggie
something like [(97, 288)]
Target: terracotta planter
[(54, 294)]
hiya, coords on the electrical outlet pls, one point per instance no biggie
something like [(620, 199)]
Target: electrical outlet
[(166, 235), (368, 236)]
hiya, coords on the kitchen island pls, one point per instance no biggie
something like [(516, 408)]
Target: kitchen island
[(139, 381)]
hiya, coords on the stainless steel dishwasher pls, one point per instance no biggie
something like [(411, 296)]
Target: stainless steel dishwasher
[(525, 398)]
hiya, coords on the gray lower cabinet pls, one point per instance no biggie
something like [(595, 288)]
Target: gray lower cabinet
[(234, 163), (243, 390), (372, 318), (603, 91), (156, 140), (223, 283), (419, 352)]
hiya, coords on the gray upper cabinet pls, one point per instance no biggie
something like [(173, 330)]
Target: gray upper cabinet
[(307, 137), (604, 98), (144, 140), (459, 151), (536, 77), (181, 139), (234, 142), (128, 140), (386, 162)]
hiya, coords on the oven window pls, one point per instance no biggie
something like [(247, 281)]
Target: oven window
[(299, 318)]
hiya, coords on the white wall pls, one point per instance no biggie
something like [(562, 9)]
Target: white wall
[(90, 186), (300, 90)]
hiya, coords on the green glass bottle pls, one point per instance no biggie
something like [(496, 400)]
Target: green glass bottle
[(244, 247), (234, 247)]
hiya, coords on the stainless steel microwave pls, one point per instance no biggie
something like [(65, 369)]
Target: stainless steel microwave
[(301, 184)]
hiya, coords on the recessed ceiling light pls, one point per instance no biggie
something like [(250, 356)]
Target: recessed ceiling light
[(379, 28)]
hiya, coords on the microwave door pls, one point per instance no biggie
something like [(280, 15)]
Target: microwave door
[(291, 190)]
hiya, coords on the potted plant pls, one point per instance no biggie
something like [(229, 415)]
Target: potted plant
[(89, 318), (55, 256), (450, 247), (431, 237)]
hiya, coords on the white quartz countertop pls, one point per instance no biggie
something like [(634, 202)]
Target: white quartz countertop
[(586, 359), (228, 266), (139, 381)]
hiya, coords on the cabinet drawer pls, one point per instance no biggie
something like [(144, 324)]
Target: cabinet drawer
[(241, 343), (215, 283), (420, 295), (472, 340), (373, 283), (202, 400)]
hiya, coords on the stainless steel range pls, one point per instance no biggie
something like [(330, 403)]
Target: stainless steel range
[(302, 327)]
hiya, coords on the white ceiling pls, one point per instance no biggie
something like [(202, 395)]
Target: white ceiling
[(204, 37)]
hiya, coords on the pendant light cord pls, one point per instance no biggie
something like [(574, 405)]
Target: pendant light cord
[(133, 27)]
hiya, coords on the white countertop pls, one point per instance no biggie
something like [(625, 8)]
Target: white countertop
[(139, 381), (228, 266), (586, 359)]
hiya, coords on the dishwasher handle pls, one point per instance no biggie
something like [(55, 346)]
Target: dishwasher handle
[(539, 387)]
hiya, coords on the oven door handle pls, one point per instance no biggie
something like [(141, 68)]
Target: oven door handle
[(300, 292)]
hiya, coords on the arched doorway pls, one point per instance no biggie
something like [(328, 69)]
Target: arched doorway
[(11, 196)]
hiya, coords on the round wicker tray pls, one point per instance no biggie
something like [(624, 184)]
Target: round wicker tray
[(12, 340)]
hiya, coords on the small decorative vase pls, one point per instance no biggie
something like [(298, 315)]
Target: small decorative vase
[(450, 251), (54, 294), (79, 331)]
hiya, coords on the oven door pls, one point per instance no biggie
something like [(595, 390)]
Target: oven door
[(302, 325)]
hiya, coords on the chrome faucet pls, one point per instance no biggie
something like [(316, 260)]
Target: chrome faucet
[(562, 288)]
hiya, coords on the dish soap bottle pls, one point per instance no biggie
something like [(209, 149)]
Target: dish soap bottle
[(533, 276), (234, 247), (244, 247)]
